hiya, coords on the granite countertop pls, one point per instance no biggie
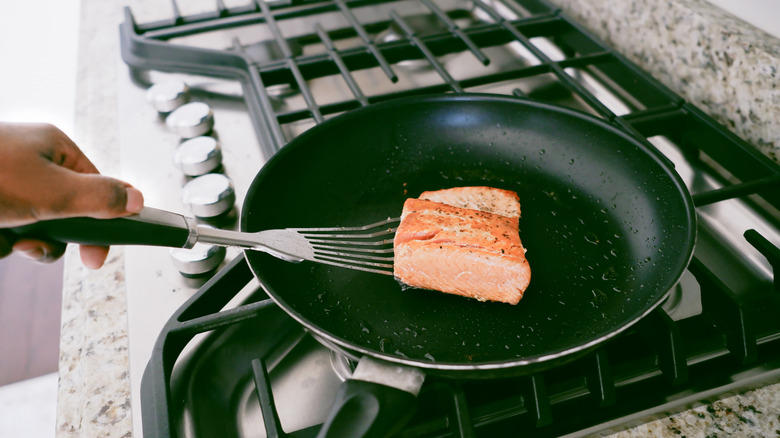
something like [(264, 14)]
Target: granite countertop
[(726, 67), (94, 383), (713, 60)]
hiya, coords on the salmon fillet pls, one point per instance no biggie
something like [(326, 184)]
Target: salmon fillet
[(487, 199), (463, 241)]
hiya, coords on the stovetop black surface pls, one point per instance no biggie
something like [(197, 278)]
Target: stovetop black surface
[(665, 363)]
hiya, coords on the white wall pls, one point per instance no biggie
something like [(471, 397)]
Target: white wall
[(764, 14), (38, 51)]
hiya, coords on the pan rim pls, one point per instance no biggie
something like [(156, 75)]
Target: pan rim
[(349, 347)]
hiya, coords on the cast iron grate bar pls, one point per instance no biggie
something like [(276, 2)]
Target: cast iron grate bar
[(737, 190), (537, 401), (557, 68), (177, 18), (455, 30), (661, 332), (704, 138), (709, 145), (574, 86), (291, 64), (561, 65), (345, 73), (599, 378), (361, 31), (432, 59), (219, 319), (295, 115), (460, 419), (199, 314), (221, 19), (268, 129), (273, 426), (768, 250), (727, 313), (584, 60), (222, 10)]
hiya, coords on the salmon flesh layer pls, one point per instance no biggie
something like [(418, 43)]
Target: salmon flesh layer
[(463, 241)]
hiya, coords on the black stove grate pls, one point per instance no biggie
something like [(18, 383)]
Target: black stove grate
[(661, 365), (657, 367), (653, 109)]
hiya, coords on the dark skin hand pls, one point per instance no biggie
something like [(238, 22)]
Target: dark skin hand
[(44, 175)]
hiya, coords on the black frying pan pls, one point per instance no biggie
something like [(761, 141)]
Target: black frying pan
[(609, 228), (608, 225)]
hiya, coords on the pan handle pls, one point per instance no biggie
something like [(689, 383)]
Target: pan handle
[(377, 401), (150, 227)]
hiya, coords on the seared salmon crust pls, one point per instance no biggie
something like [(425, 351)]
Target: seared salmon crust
[(455, 241)]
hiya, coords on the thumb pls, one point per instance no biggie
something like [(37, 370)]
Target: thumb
[(101, 197)]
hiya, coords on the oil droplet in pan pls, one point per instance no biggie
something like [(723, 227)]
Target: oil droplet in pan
[(609, 274), (599, 297)]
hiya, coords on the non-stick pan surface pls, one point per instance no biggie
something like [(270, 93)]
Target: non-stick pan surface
[(608, 226)]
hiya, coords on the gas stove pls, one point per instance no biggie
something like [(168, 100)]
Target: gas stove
[(211, 354)]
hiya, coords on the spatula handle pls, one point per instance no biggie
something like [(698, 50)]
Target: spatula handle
[(152, 227)]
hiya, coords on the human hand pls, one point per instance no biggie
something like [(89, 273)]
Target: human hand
[(44, 175)]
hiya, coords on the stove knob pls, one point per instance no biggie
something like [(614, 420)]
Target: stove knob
[(169, 95), (199, 260), (209, 196), (191, 120), (198, 156)]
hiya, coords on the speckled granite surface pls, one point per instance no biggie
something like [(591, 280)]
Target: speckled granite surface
[(712, 60), (727, 68), (94, 383), (752, 414)]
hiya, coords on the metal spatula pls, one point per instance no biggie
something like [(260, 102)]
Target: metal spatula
[(365, 248)]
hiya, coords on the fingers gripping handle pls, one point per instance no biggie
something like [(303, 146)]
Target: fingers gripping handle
[(150, 227)]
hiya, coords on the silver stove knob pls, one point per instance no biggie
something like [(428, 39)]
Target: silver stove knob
[(191, 120), (198, 156), (209, 196), (169, 95), (199, 260)]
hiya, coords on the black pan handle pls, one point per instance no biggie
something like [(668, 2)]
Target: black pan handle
[(368, 409), (150, 227), (377, 401)]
